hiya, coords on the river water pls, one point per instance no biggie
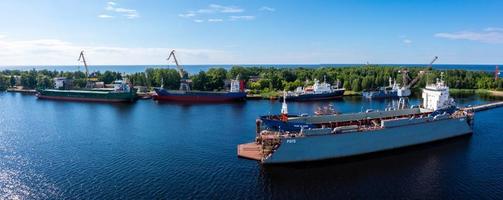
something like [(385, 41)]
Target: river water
[(149, 150)]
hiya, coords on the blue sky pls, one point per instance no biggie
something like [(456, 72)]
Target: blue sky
[(38, 32)]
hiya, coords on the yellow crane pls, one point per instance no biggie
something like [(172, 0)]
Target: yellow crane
[(184, 86)]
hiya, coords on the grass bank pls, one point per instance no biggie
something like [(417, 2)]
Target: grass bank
[(454, 91)]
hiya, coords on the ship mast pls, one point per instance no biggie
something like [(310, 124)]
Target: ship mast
[(183, 81), (284, 109)]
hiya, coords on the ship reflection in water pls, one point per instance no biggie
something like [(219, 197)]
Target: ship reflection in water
[(422, 172)]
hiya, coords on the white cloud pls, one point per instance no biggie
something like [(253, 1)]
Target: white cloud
[(57, 52), (215, 20), (225, 9), (407, 41), (265, 8), (126, 12), (242, 17), (198, 20), (489, 35), (211, 10), (105, 16), (110, 5), (129, 13), (494, 29), (187, 15)]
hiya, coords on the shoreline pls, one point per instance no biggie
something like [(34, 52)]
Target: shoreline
[(496, 93)]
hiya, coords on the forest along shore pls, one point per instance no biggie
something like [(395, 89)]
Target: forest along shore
[(261, 81)]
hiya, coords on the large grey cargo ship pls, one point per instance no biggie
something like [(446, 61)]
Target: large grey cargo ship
[(288, 138)]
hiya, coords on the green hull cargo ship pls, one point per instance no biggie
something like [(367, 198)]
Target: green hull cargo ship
[(120, 93)]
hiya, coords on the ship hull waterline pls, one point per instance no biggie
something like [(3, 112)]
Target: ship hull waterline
[(83, 99), (339, 146), (87, 96), (315, 97), (195, 97)]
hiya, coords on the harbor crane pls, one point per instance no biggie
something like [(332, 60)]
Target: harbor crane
[(404, 91), (82, 58), (184, 86), (496, 73)]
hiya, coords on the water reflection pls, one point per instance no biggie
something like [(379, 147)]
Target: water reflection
[(421, 169)]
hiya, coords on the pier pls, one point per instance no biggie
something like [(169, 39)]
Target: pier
[(250, 151), (485, 106), (21, 90)]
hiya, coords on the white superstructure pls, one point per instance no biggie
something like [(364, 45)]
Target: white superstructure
[(436, 96), (284, 106), (320, 88), (235, 85), (59, 82), (121, 86), (317, 88)]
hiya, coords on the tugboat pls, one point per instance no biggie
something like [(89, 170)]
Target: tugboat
[(121, 92), (184, 94), (287, 138), (319, 91)]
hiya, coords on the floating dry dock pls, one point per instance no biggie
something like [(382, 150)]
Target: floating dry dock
[(297, 138), (485, 106), (250, 150)]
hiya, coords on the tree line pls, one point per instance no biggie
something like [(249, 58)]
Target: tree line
[(33, 79), (262, 79)]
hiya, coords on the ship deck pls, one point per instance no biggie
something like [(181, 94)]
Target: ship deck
[(250, 150), (80, 91), (317, 119)]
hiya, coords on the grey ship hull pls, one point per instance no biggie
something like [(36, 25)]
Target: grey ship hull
[(334, 146)]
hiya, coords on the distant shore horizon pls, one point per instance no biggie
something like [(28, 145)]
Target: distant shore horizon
[(204, 67)]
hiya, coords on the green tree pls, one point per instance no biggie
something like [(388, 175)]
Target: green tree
[(79, 83), (109, 77), (264, 83), (200, 81), (346, 85), (12, 81), (243, 72), (216, 78), (44, 82), (4, 82), (355, 85), (29, 79)]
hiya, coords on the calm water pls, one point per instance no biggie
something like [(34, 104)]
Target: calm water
[(146, 150)]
